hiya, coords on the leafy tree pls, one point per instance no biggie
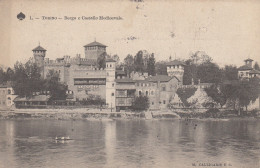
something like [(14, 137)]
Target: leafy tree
[(129, 64), (256, 66), (139, 62), (215, 93), (116, 58), (140, 103), (101, 61), (230, 72), (56, 89), (209, 73), (161, 68), (242, 92), (27, 78), (151, 65), (185, 93), (190, 72)]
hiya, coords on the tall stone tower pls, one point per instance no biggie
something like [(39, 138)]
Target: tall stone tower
[(38, 55), (176, 68), (94, 50), (110, 83)]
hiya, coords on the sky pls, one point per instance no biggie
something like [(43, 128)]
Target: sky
[(228, 31)]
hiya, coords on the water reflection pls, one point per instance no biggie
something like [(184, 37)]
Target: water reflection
[(124, 143)]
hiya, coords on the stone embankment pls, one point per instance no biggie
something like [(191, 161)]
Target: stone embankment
[(93, 114)]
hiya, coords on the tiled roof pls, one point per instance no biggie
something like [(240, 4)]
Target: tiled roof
[(175, 62), (39, 48), (245, 67), (254, 71), (248, 59), (110, 60), (125, 80), (161, 78), (120, 72), (70, 96), (42, 98), (95, 44)]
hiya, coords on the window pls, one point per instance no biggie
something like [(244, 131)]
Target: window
[(140, 93), (164, 102), (146, 93), (163, 87), (113, 84), (9, 98), (112, 94), (110, 65), (9, 91), (121, 102), (152, 103)]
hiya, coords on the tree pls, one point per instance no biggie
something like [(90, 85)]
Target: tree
[(151, 65), (129, 64), (56, 89), (215, 93), (139, 62), (27, 78), (116, 58), (161, 68), (230, 72), (140, 103), (185, 93), (242, 92), (101, 61), (256, 66), (209, 73), (190, 72)]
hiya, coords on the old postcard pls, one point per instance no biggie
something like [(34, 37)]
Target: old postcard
[(133, 83)]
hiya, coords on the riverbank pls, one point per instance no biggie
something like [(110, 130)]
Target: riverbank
[(97, 114)]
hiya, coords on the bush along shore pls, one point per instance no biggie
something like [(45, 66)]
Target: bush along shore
[(219, 114)]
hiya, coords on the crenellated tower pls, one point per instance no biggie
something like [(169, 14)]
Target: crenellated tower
[(39, 55), (94, 50), (176, 68)]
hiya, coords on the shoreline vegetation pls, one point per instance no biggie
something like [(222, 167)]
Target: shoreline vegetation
[(107, 114)]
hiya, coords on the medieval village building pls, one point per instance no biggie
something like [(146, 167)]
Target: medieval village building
[(84, 78)]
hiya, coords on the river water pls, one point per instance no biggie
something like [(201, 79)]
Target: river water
[(130, 143)]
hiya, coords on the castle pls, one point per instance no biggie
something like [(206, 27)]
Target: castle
[(84, 78)]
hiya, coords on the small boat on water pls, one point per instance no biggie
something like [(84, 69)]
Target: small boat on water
[(63, 138)]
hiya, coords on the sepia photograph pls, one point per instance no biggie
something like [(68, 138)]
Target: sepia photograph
[(130, 84)]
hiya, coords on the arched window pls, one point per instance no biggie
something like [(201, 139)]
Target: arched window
[(146, 93), (9, 91), (140, 93), (110, 65)]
